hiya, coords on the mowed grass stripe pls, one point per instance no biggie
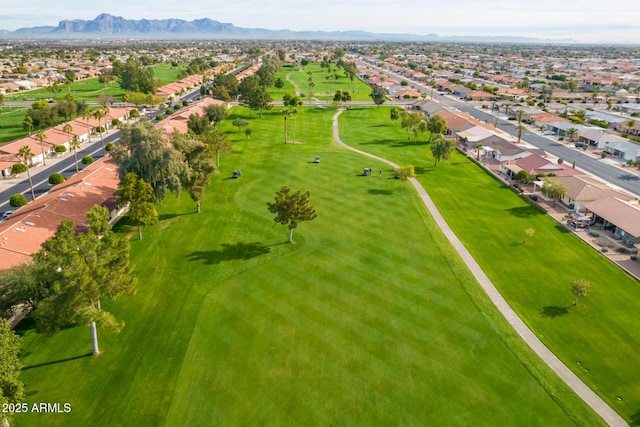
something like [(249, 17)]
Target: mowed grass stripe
[(232, 327)]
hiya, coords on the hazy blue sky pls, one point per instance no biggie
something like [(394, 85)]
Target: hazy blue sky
[(583, 20)]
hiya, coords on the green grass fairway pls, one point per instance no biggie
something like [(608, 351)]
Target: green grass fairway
[(369, 319), (325, 89), (166, 73), (599, 338), (11, 123)]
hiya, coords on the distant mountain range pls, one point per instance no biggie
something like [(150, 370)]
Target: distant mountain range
[(106, 26)]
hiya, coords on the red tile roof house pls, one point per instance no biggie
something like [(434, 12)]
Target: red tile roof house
[(407, 93), (535, 165), (542, 119), (480, 95), (14, 146), (177, 122), (24, 232)]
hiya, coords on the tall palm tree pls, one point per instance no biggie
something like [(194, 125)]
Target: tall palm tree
[(100, 114), (27, 124), (74, 144), (572, 133), (67, 128), (40, 136), (285, 116), (87, 115), (520, 129), (26, 154), (294, 113)]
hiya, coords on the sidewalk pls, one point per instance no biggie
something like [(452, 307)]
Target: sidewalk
[(610, 416)]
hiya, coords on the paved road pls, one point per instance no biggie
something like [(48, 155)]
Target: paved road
[(40, 174), (615, 175), (65, 166), (610, 416), (612, 174)]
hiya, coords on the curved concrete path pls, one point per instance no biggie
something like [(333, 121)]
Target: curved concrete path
[(610, 416)]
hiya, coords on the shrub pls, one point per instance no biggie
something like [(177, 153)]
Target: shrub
[(109, 146), (99, 129), (185, 102), (17, 200), (594, 234), (176, 107), (18, 168), (604, 249), (56, 178), (159, 117), (60, 149), (560, 161), (87, 160), (134, 113), (169, 111), (603, 154), (534, 197), (622, 250)]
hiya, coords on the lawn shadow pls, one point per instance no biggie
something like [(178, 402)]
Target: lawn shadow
[(524, 211), (68, 359), (409, 143), (165, 217), (554, 311), (635, 419), (421, 170), (378, 192), (562, 229), (229, 252), (378, 141)]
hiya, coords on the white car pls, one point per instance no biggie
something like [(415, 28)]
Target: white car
[(6, 214), (549, 132)]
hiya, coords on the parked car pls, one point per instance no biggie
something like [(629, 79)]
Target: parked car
[(7, 214), (549, 132)]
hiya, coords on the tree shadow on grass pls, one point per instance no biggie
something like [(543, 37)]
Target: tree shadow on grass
[(229, 252), (68, 359), (378, 192), (524, 211), (635, 419), (165, 217), (554, 311), (421, 170), (408, 143)]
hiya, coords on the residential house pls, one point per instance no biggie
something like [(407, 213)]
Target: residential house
[(597, 137), (480, 95), (629, 127), (582, 189), (535, 164), (621, 217), (428, 107), (542, 120), (623, 150), (22, 234)]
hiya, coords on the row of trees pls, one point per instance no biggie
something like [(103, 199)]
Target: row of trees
[(415, 122)]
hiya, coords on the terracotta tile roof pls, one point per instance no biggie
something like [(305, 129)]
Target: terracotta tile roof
[(23, 232)]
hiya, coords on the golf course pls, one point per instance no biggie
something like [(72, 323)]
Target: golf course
[(368, 318)]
